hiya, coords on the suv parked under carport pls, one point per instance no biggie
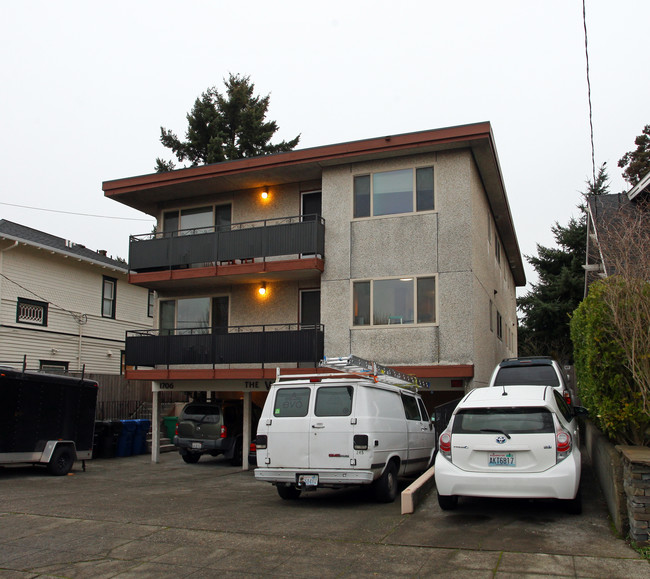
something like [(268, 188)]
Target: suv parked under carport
[(213, 428)]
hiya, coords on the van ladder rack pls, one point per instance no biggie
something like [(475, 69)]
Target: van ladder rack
[(373, 370)]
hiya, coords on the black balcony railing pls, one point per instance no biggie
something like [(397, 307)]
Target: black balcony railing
[(304, 234), (263, 344)]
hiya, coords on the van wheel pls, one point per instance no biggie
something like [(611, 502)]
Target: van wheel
[(191, 457), (447, 502), (288, 493), (61, 461), (386, 485)]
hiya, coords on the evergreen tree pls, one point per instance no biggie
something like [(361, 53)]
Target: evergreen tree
[(225, 127), (636, 164), (547, 307)]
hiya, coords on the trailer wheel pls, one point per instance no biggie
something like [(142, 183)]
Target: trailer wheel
[(62, 460)]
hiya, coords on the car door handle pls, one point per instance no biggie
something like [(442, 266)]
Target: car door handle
[(319, 425)]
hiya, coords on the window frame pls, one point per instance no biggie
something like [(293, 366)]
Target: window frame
[(369, 194), (150, 303), (111, 300), (34, 303), (355, 314)]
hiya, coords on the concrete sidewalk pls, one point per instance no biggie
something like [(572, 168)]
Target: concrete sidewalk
[(127, 517)]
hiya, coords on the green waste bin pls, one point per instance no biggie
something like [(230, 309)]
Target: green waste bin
[(170, 426)]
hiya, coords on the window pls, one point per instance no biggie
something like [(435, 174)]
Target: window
[(334, 401), (185, 316), (411, 407), (53, 366), (150, 304), (108, 297), (491, 317), (511, 420), (291, 402), (499, 325), (31, 312), (394, 192), (497, 248), (396, 301)]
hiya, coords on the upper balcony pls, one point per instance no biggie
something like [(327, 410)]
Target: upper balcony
[(271, 246)]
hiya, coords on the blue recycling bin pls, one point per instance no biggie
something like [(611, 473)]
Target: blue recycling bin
[(125, 440), (142, 426)]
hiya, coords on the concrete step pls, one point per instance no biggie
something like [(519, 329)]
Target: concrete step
[(165, 445)]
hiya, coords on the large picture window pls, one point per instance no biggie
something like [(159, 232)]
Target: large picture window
[(394, 192), (398, 301)]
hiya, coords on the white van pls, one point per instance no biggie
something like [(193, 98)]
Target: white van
[(324, 431)]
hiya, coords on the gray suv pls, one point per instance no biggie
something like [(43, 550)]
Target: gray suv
[(531, 371), (213, 428)]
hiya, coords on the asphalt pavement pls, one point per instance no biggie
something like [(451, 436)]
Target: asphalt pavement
[(127, 517)]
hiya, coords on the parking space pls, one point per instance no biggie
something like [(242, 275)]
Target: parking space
[(130, 517)]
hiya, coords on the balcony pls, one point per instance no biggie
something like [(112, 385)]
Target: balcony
[(287, 237), (260, 344)]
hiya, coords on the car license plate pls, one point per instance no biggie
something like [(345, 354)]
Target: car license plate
[(197, 445), (501, 459), (310, 480)]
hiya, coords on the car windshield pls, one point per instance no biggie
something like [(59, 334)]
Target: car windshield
[(507, 420), (527, 375)]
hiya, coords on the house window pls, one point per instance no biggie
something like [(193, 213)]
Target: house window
[(394, 192), (53, 366), (499, 326), (150, 304), (185, 316), (31, 312), (398, 301), (497, 248), (108, 297)]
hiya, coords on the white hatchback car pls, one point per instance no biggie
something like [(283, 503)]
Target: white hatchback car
[(511, 442)]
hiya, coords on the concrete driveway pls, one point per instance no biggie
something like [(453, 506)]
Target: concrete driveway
[(127, 517)]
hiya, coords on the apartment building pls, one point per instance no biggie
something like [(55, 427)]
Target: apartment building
[(400, 249)]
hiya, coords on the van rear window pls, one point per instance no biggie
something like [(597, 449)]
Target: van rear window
[(334, 401), (291, 402), (510, 420)]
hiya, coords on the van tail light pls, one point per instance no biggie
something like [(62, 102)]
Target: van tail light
[(260, 441), (444, 444), (563, 444), (224, 432), (360, 442), (252, 448), (567, 397)]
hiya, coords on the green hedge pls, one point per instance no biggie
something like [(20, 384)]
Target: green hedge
[(605, 385)]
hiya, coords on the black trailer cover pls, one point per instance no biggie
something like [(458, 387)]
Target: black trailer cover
[(35, 408)]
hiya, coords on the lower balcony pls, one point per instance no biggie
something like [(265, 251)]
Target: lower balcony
[(215, 347)]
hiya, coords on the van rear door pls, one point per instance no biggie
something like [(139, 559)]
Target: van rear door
[(288, 428), (331, 432)]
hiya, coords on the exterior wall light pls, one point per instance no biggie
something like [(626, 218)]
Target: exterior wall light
[(262, 289), (265, 193)]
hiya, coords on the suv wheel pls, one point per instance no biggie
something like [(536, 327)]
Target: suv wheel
[(237, 455), (386, 485), (447, 502), (288, 493), (191, 457)]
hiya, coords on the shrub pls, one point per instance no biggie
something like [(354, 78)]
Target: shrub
[(606, 384)]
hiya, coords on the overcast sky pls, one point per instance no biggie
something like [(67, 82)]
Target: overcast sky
[(87, 86)]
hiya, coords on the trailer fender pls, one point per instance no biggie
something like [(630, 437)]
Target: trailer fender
[(52, 445)]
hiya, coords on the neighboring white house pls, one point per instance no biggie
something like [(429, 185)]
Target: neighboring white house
[(399, 249), (62, 306)]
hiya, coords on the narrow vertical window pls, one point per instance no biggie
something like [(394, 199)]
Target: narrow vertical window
[(424, 189), (150, 304), (108, 297), (426, 300), (361, 303), (362, 196)]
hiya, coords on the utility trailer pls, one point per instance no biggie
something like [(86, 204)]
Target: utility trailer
[(46, 419)]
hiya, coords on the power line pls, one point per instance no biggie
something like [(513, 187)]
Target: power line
[(74, 213), (591, 124)]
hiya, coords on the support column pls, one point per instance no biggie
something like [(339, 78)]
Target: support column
[(155, 423), (246, 441)]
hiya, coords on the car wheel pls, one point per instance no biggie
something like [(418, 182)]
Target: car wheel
[(447, 502), (61, 461), (385, 486), (191, 457), (288, 493), (237, 455), (574, 506)]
